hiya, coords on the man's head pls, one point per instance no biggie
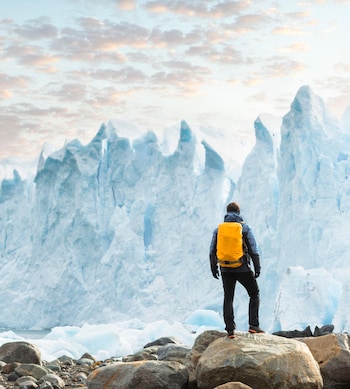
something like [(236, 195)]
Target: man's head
[(233, 207)]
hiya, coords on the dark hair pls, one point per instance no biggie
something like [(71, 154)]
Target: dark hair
[(233, 207)]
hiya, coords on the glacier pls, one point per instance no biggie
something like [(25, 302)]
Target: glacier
[(120, 228)]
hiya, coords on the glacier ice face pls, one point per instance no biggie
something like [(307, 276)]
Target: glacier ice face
[(113, 230), (120, 229), (305, 197), (307, 297), (310, 180)]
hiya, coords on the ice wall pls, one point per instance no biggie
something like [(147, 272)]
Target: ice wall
[(117, 229)]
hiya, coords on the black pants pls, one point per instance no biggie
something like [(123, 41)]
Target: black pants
[(229, 280)]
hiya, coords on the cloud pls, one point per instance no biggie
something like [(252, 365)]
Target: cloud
[(186, 81), (15, 132), (171, 38), (107, 97), (342, 67), (339, 103), (253, 81), (226, 54), (83, 44), (126, 5), (29, 55), (39, 60), (258, 97), (68, 92), (13, 82), (207, 9), (6, 22), (337, 89), (36, 29), (296, 47), (10, 128), (297, 16), (289, 30), (90, 23), (123, 5), (282, 67), (29, 110), (25, 127), (275, 67), (126, 75), (250, 22)]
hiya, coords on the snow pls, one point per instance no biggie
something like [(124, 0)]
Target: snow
[(120, 229)]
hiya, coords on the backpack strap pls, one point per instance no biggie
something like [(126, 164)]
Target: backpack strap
[(223, 263)]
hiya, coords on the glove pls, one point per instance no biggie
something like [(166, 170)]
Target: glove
[(215, 273), (256, 262)]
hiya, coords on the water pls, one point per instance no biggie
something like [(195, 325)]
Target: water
[(26, 334)]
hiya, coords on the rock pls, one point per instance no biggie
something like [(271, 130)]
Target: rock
[(85, 361), (12, 376), (261, 361), (169, 352), (139, 375), (332, 352), (162, 342), (46, 385), (80, 377), (324, 330), (173, 352), (295, 333), (53, 366), (200, 344), (22, 352), (88, 356), (27, 382), (233, 385), (56, 381), (65, 360), (30, 369), (146, 354), (9, 367)]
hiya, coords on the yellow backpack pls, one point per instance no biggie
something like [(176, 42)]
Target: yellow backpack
[(229, 247)]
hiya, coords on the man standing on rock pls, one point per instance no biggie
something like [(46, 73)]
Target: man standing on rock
[(232, 246)]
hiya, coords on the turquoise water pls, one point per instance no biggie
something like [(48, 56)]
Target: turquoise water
[(27, 334)]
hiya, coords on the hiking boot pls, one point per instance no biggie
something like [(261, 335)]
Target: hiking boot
[(255, 330), (230, 335)]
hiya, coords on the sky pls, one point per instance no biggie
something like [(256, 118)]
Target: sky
[(67, 66)]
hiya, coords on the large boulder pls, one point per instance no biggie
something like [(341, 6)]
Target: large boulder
[(139, 375), (22, 352), (261, 361), (202, 341), (332, 352)]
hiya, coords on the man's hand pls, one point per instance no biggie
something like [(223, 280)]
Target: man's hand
[(257, 274), (215, 273)]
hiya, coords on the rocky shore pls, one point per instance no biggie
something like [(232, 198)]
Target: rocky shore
[(258, 361)]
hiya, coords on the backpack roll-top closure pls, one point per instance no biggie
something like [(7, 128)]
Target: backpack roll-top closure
[(229, 249)]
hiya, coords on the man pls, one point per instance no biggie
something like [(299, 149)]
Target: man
[(237, 269)]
